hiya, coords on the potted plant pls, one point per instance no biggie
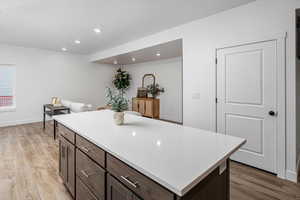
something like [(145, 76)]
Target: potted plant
[(122, 80), (155, 90), (118, 104)]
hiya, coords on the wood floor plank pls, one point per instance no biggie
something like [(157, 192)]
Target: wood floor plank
[(29, 160), (248, 183)]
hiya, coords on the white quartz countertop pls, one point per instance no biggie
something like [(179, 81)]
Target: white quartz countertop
[(175, 156)]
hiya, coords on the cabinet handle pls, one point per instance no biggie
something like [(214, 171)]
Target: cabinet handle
[(84, 173), (125, 178), (85, 149)]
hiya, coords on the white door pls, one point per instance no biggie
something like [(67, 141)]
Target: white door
[(246, 101)]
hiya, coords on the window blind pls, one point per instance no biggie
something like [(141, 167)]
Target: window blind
[(7, 86)]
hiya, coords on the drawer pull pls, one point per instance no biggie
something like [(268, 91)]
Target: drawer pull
[(84, 173), (85, 149), (87, 175), (135, 185)]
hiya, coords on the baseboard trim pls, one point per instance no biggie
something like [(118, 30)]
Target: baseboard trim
[(174, 122), (291, 176), (19, 122)]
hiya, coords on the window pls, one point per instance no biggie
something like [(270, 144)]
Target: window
[(7, 87)]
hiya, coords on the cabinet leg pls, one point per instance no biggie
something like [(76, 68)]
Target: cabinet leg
[(54, 130), (44, 121)]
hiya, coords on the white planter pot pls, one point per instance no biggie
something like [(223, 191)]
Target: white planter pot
[(119, 118)]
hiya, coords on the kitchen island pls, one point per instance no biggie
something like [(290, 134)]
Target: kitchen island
[(144, 159)]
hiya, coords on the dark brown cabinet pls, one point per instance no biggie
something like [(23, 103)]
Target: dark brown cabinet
[(101, 176), (67, 164), (117, 191)]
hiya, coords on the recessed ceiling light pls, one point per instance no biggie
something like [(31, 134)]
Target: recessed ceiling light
[(115, 62), (77, 41), (97, 30), (64, 49), (133, 59), (158, 53), (158, 142)]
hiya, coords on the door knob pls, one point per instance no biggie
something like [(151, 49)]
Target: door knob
[(272, 113)]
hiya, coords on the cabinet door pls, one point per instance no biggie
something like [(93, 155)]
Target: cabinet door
[(70, 181), (91, 174), (149, 108), (67, 164), (135, 106), (141, 106), (116, 190), (63, 165), (156, 108)]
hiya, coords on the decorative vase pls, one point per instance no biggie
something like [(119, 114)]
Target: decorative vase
[(119, 118)]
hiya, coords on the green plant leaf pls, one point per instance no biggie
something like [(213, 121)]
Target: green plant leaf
[(116, 100), (122, 80)]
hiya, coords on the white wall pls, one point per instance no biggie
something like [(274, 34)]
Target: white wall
[(42, 74), (298, 104), (298, 112), (168, 74), (260, 19)]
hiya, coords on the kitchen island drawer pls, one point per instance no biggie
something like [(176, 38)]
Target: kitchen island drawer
[(82, 192), (97, 154), (66, 133), (140, 184), (92, 175)]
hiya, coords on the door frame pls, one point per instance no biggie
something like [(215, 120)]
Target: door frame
[(280, 40)]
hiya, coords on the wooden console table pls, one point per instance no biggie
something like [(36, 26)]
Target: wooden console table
[(148, 107)]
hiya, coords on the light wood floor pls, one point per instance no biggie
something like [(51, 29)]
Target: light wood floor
[(29, 158), (29, 161)]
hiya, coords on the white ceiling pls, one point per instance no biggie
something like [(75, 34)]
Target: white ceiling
[(54, 24), (166, 50)]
